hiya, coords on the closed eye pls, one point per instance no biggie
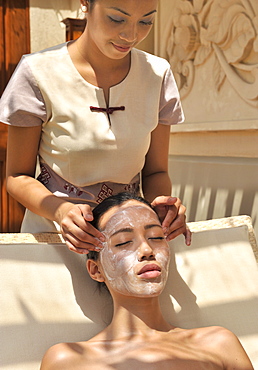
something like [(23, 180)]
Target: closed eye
[(150, 23), (124, 243), (116, 20), (157, 238)]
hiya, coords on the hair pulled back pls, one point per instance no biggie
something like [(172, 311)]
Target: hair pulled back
[(108, 203)]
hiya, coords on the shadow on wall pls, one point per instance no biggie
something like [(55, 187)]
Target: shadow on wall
[(216, 187)]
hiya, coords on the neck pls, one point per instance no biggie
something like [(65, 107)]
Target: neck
[(134, 317)]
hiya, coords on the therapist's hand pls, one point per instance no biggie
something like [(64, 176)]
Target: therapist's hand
[(79, 235), (171, 213)]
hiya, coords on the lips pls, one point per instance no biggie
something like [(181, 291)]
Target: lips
[(123, 48), (151, 270)]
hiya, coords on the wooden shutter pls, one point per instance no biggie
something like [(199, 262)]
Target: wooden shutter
[(14, 42)]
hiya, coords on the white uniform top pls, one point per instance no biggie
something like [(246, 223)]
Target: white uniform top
[(82, 150)]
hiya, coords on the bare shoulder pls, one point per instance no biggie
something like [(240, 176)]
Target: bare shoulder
[(226, 345), (217, 336), (64, 356)]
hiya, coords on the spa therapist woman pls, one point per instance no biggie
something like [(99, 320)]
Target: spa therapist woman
[(97, 113)]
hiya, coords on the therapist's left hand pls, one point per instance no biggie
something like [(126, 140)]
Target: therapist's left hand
[(171, 213)]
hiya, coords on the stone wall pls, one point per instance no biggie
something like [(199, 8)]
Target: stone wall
[(212, 46), (46, 27)]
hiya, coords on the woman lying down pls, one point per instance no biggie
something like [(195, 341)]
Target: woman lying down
[(134, 265)]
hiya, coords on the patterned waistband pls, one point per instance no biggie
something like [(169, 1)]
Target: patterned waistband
[(91, 194)]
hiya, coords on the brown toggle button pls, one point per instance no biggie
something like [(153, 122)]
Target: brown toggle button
[(109, 110)]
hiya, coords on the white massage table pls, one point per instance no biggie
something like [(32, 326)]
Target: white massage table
[(47, 296)]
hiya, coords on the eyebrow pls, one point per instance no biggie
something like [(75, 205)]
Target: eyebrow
[(129, 15), (147, 227), (130, 230)]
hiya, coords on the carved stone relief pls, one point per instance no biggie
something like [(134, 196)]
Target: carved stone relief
[(224, 29)]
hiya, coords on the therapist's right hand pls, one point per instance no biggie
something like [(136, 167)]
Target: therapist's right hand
[(79, 235)]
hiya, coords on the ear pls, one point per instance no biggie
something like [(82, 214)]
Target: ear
[(94, 271), (84, 6)]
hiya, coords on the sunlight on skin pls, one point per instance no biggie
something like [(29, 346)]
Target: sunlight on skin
[(128, 240)]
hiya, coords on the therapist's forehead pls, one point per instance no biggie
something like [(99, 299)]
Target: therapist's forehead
[(132, 209)]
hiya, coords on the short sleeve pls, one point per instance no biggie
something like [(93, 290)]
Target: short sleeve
[(22, 103), (170, 109)]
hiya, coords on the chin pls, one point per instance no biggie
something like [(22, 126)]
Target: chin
[(149, 290)]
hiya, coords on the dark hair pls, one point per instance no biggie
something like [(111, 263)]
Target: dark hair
[(91, 3), (108, 203)]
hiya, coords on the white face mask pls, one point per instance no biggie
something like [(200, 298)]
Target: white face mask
[(135, 240)]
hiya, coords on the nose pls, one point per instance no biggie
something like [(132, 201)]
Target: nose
[(145, 252), (129, 33)]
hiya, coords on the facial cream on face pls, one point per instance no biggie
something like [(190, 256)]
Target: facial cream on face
[(120, 262)]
